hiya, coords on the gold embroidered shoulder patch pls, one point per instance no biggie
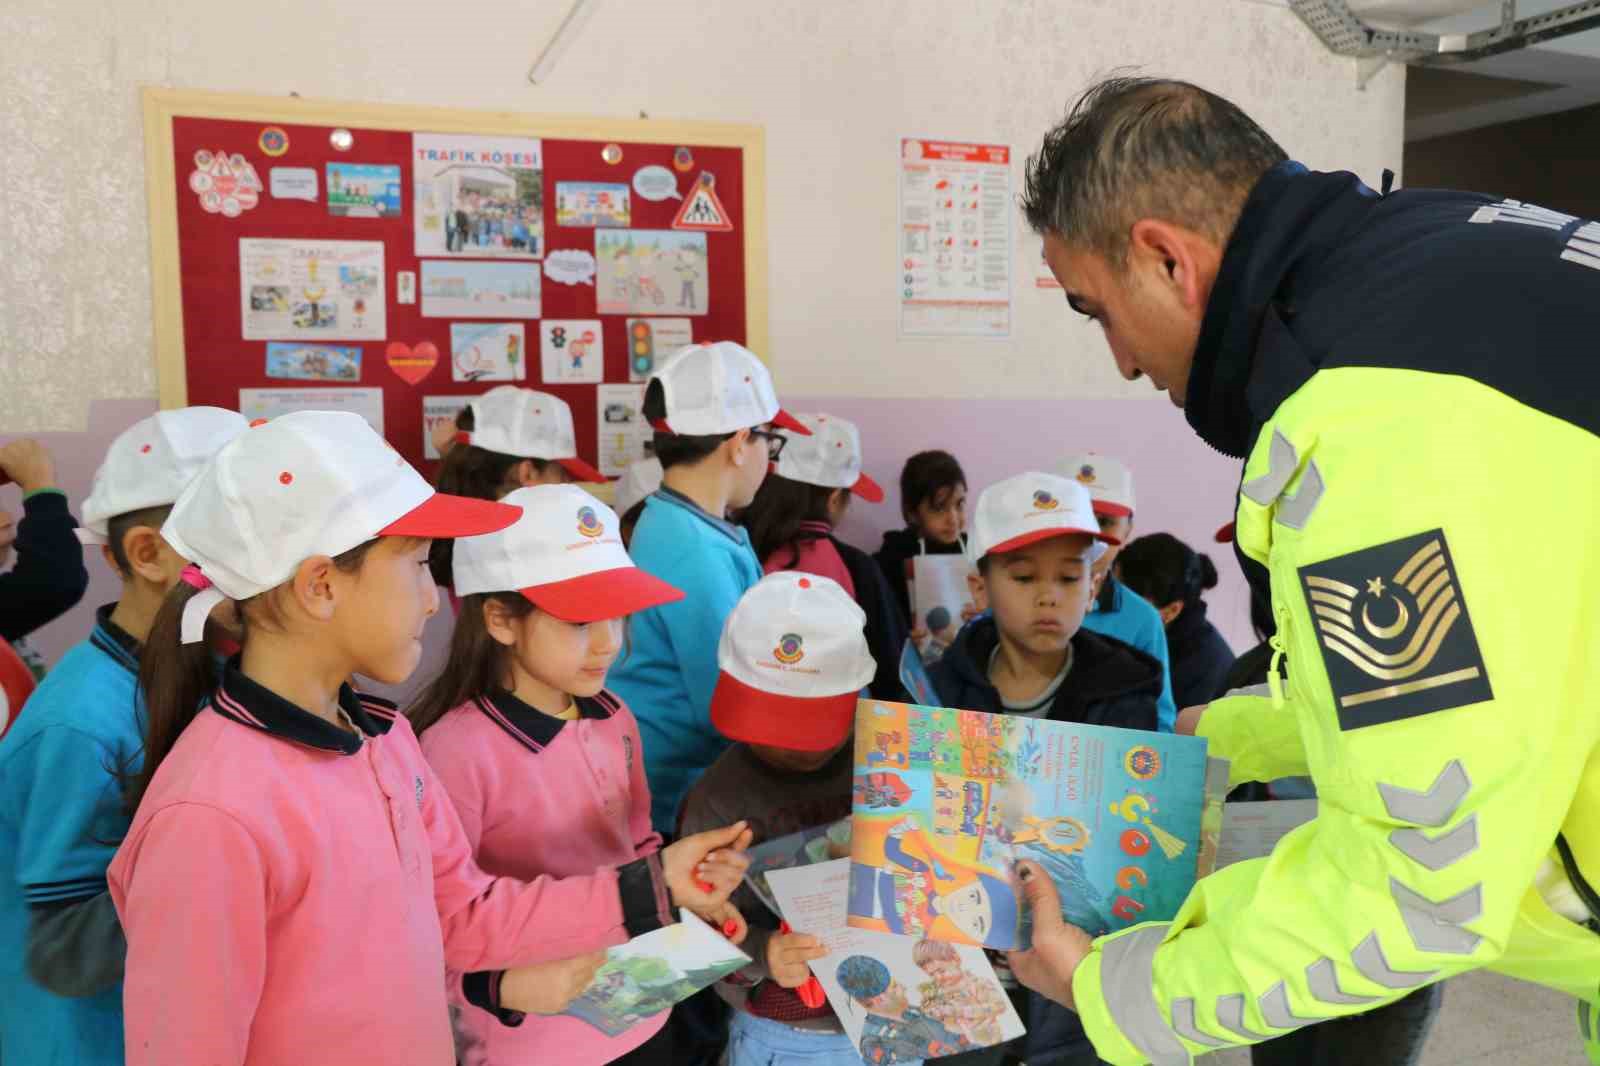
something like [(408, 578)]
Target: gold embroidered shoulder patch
[(1395, 634)]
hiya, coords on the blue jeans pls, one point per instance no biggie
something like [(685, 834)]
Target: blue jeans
[(763, 1042)]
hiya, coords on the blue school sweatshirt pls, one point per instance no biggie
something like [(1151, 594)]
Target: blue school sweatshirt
[(61, 819), (1122, 613), (669, 669)]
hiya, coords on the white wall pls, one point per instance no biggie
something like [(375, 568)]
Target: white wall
[(835, 83)]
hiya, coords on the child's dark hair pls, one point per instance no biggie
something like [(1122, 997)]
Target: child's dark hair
[(671, 448), (1163, 569), (476, 662), (774, 517), (176, 679), (468, 470), (628, 521), (118, 527), (928, 476)]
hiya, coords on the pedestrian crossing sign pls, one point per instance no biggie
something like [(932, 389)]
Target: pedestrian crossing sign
[(701, 210)]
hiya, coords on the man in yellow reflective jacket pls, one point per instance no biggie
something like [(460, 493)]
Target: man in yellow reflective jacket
[(1404, 374)]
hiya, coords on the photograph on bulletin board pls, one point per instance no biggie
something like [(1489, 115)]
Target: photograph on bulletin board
[(400, 270)]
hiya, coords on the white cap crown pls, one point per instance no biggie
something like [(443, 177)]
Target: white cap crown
[(716, 388), (1030, 507), (564, 533), (797, 635), (523, 423), (152, 462), (829, 457), (1109, 481)]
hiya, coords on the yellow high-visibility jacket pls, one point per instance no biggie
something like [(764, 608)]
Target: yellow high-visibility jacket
[(1416, 379)]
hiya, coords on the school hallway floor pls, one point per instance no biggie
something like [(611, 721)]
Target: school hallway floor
[(1487, 1020)]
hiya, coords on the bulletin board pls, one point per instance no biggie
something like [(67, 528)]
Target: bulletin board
[(391, 253)]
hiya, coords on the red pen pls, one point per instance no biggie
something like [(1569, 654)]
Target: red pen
[(729, 928)]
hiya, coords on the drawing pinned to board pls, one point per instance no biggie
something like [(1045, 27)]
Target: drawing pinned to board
[(311, 290), (452, 289), (571, 352), (313, 362), (362, 190), (412, 363), (650, 340), (624, 434), (293, 183), (487, 351), (226, 184), (592, 204), (643, 271), (478, 197), (701, 210), (270, 403), (405, 287)]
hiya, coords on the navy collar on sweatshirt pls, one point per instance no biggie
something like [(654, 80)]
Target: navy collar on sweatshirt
[(114, 640), (252, 704), (721, 525), (532, 728)]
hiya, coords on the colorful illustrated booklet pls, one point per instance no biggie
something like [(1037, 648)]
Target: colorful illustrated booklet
[(651, 973), (946, 801), (898, 998)]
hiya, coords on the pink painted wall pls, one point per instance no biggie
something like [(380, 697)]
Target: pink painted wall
[(1183, 487)]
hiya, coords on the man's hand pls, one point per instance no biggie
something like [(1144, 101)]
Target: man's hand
[(1189, 720), (28, 464), (1048, 966), (548, 987)]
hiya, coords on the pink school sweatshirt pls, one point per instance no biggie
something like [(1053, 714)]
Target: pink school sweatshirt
[(814, 556), (292, 894), (541, 796)]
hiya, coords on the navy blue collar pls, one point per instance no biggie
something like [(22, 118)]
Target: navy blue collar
[(531, 727), (721, 525), (252, 704), (115, 641)]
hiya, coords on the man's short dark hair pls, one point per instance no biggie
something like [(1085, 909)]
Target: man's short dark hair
[(118, 527), (1134, 148), (671, 448)]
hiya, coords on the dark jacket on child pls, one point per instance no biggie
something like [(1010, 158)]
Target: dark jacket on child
[(1200, 658), (885, 629), (900, 546), (1109, 683)]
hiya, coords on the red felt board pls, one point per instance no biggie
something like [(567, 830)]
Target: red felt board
[(217, 361)]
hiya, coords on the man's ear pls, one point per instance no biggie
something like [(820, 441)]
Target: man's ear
[(978, 585), (312, 588), (1184, 258)]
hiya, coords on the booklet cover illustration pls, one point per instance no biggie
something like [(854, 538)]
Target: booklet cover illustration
[(947, 801), (653, 972)]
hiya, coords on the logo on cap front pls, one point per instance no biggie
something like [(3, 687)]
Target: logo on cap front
[(589, 523), (790, 649), (1043, 501), (1086, 474)]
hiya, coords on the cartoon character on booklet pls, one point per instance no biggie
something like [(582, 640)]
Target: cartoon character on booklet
[(902, 884), (881, 790), (894, 1030)]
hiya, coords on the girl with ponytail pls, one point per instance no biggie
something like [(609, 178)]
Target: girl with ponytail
[(1173, 577)]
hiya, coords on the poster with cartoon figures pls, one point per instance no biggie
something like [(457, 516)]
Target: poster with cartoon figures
[(488, 351), (571, 351), (899, 998), (649, 272), (947, 801), (311, 290), (478, 197)]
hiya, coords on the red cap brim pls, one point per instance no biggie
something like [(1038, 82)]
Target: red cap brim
[(601, 595), (583, 471), (784, 420), (1115, 510), (796, 723), (1225, 534), (1034, 536), (868, 489), (442, 516)]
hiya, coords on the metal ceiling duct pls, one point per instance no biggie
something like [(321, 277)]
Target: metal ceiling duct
[(1344, 26)]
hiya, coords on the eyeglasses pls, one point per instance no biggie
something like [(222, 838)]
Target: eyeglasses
[(775, 442)]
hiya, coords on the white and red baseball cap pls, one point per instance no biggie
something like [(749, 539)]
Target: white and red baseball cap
[(638, 481), (1028, 508), (719, 387), (564, 554), (529, 425), (152, 462), (829, 456), (794, 659), (1109, 481), (304, 484)]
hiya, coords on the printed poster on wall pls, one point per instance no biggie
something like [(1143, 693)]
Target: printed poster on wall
[(461, 289), (622, 428), (270, 403), (478, 197), (954, 272), (437, 410), (571, 351), (651, 272), (488, 351), (293, 290)]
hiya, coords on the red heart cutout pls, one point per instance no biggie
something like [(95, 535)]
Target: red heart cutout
[(410, 364)]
